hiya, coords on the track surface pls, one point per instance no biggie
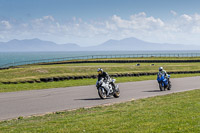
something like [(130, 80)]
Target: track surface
[(35, 102)]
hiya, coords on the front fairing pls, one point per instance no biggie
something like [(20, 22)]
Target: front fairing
[(104, 84), (161, 78)]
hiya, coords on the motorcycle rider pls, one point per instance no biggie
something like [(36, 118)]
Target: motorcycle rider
[(105, 76), (162, 71)]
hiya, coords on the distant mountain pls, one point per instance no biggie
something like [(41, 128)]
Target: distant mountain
[(133, 44), (36, 45), (127, 44)]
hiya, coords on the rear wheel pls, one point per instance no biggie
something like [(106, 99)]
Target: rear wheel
[(102, 93), (169, 85)]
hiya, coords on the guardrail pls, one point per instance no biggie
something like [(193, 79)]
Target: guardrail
[(14, 64)]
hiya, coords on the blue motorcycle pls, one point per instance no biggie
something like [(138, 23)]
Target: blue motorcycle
[(163, 82)]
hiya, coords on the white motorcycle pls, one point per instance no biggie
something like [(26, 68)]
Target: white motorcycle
[(107, 89)]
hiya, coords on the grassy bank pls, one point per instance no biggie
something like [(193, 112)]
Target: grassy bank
[(81, 82), (170, 113), (35, 72)]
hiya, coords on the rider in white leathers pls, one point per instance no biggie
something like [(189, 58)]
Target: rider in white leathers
[(162, 71)]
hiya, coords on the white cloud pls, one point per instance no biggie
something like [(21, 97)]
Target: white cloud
[(137, 22), (43, 20), (48, 18), (6, 24), (110, 26), (139, 15), (173, 13), (1, 37), (196, 29), (186, 17)]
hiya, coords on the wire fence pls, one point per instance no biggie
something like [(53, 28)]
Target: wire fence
[(14, 64)]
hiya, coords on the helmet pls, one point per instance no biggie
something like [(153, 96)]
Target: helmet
[(160, 68), (100, 70)]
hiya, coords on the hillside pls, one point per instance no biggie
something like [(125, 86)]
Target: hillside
[(127, 44)]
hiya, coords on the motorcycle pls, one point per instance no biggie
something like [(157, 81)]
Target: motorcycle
[(103, 88), (164, 82)]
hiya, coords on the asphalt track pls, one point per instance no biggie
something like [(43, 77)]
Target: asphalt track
[(37, 102)]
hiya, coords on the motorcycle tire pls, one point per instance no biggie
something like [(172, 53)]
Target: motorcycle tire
[(161, 87), (102, 94), (169, 86), (116, 93)]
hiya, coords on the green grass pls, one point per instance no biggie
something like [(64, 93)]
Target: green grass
[(81, 82), (178, 112), (35, 72)]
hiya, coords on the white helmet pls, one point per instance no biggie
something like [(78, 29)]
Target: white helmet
[(160, 68)]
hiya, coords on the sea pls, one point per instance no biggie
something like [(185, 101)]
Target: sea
[(12, 57)]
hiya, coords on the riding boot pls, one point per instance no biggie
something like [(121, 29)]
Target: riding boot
[(108, 92)]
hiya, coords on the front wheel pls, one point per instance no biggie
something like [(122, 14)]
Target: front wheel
[(117, 92), (102, 93), (161, 87)]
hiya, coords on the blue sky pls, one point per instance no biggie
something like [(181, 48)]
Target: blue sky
[(91, 22)]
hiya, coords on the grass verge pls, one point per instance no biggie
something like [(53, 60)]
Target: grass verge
[(81, 82), (178, 112), (35, 72)]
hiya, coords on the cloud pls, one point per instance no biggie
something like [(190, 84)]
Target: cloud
[(5, 24), (137, 21), (173, 13), (43, 20), (186, 17), (48, 18)]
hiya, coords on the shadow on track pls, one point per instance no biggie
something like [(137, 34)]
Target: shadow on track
[(90, 99), (153, 91)]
